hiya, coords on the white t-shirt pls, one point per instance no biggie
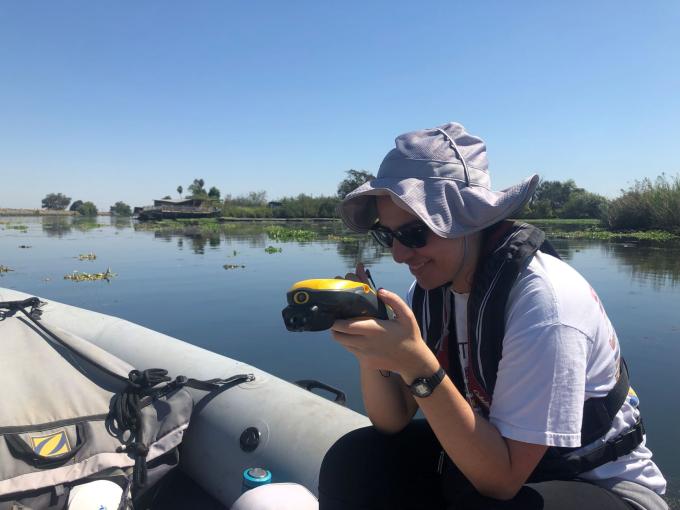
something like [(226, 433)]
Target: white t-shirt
[(559, 348)]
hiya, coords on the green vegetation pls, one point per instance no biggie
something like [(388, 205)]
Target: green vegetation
[(288, 234), (253, 205), (88, 209), (56, 201), (608, 235), (87, 256), (214, 193), (120, 209), (196, 189), (272, 249), (647, 205), (555, 199), (233, 266), (22, 228), (354, 179), (77, 276)]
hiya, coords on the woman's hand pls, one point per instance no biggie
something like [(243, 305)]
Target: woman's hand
[(394, 345), (359, 276)]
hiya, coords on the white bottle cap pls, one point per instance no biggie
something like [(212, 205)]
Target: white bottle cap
[(97, 495)]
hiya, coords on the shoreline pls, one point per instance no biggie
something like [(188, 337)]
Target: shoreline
[(6, 211)]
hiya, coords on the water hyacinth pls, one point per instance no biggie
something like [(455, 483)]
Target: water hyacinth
[(278, 233), (77, 276), (233, 266)]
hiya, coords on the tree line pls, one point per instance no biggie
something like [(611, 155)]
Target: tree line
[(647, 204), (59, 202)]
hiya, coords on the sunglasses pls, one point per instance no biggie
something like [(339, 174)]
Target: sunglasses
[(412, 235)]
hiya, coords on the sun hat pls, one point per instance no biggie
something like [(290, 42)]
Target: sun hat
[(441, 176)]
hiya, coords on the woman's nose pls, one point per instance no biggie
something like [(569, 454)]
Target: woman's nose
[(400, 253)]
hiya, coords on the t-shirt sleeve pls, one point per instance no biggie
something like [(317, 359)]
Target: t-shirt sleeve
[(540, 385)]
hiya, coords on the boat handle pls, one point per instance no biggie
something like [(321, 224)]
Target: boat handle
[(312, 384)]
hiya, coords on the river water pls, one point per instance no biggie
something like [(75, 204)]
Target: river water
[(175, 282)]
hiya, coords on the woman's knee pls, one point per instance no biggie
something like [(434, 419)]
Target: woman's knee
[(356, 451)]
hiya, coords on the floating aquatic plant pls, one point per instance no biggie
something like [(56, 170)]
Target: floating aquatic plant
[(77, 276), (24, 246), (233, 266), (87, 256), (22, 228), (5, 269), (278, 233), (272, 249)]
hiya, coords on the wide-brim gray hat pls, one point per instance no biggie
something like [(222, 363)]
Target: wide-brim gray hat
[(441, 176)]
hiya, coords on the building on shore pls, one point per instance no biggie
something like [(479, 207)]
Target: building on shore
[(167, 208)]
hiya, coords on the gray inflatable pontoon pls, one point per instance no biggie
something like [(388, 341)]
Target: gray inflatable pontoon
[(296, 427)]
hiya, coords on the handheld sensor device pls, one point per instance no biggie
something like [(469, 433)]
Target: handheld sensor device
[(314, 305)]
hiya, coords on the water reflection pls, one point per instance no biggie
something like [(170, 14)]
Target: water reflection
[(658, 265), (120, 222), (363, 249), (56, 226), (60, 226)]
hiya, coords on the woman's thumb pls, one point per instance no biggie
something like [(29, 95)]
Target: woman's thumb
[(401, 310)]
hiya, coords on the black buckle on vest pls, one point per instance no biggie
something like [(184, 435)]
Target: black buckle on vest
[(625, 443)]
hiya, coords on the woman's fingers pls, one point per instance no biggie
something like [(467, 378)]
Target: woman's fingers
[(402, 312), (361, 272), (360, 326)]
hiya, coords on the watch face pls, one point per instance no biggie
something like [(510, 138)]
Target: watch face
[(421, 388)]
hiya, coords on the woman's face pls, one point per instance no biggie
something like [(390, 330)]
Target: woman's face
[(436, 263)]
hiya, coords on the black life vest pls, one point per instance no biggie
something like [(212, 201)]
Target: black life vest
[(507, 249)]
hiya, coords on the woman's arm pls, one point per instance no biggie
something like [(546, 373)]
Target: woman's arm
[(496, 466), (388, 402)]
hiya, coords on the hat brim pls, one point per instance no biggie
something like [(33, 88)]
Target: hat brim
[(448, 210)]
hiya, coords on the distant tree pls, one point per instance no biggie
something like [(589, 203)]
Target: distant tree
[(583, 204), (120, 209), (214, 193), (56, 201), (354, 179), (196, 188), (179, 191), (75, 205), (167, 197), (88, 209), (556, 193)]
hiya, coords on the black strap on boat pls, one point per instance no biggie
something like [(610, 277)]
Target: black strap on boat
[(142, 389), (21, 450), (9, 308)]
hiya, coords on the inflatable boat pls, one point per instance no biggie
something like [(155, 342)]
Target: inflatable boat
[(261, 421)]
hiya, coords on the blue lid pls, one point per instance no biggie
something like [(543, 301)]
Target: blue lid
[(256, 476)]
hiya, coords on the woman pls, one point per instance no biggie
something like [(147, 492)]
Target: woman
[(505, 349)]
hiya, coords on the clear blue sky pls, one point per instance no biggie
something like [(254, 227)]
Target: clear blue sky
[(126, 100)]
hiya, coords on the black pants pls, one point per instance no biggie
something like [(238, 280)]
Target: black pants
[(369, 470)]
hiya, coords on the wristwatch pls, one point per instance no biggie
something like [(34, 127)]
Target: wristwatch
[(424, 386)]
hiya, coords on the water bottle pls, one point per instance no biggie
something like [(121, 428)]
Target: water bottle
[(254, 477)]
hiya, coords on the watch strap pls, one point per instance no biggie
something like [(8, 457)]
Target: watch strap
[(431, 382)]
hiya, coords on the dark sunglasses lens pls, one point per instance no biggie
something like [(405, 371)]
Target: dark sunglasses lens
[(412, 237), (383, 237)]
